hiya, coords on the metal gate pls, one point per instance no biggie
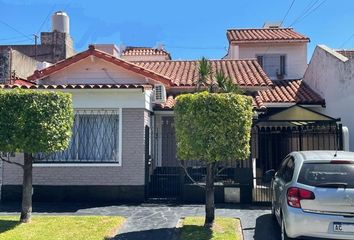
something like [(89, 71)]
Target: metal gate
[(274, 143), (166, 179)]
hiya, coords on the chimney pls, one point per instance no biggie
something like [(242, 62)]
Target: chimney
[(272, 25)]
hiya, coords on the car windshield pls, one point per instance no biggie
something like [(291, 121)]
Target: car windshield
[(327, 175)]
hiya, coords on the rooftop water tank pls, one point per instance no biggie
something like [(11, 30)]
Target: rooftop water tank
[(60, 22)]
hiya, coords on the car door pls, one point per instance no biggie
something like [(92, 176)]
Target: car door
[(278, 185)]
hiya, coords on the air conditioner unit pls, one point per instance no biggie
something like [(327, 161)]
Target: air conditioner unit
[(159, 94)]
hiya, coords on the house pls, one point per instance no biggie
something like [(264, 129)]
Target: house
[(331, 74), (281, 52), (123, 147)]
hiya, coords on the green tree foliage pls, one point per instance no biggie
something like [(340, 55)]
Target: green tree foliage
[(35, 121), (204, 71), (32, 122), (225, 84), (213, 127)]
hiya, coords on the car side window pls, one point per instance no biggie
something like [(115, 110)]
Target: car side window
[(289, 170), (281, 170)]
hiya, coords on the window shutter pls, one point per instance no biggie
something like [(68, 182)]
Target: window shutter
[(260, 60), (282, 65)]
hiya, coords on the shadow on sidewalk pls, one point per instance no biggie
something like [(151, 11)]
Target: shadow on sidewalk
[(266, 228), (153, 234)]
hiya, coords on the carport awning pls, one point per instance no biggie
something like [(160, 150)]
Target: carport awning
[(298, 116)]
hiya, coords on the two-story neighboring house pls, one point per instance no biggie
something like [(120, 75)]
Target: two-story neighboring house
[(281, 52)]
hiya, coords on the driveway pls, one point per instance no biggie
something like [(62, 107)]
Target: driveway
[(152, 221)]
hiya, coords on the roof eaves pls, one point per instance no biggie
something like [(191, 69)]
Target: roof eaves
[(92, 51)]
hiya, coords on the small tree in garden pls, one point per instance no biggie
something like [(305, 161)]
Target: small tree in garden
[(32, 122), (213, 127)]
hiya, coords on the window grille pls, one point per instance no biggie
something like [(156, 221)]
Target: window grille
[(95, 139)]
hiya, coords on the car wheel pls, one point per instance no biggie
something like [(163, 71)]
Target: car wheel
[(284, 236)]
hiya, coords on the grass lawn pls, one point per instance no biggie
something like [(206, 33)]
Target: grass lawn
[(60, 228), (223, 229)]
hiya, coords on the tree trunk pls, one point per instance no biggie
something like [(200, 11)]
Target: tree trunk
[(209, 196), (27, 189)]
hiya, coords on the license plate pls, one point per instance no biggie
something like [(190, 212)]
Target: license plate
[(343, 227)]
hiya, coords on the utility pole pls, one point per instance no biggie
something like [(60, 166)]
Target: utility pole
[(35, 46)]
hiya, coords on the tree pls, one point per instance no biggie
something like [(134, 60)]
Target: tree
[(212, 127), (204, 71), (33, 122), (224, 84)]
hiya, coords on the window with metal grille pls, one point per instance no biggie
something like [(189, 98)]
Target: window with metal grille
[(95, 139)]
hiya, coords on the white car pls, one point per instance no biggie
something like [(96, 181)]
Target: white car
[(313, 195)]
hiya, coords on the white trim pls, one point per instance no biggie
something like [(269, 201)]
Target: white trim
[(76, 164), (281, 105), (120, 135), (333, 52), (311, 105)]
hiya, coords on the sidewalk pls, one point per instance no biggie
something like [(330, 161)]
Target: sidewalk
[(152, 221)]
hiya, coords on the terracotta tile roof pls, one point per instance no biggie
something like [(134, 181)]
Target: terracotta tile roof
[(76, 86), (245, 73), (284, 91), (105, 56), (290, 91), (21, 82), (346, 53), (265, 35), (171, 102), (144, 51)]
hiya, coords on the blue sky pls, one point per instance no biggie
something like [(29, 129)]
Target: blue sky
[(189, 29)]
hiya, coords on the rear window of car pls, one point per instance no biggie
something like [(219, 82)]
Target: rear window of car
[(326, 174)]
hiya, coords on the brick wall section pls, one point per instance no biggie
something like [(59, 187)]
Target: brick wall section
[(130, 173)]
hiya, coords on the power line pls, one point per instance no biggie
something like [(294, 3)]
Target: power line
[(18, 41), (310, 12), (50, 12), (11, 38), (67, 5), (313, 10), (306, 9), (346, 41), (287, 12), (46, 18), (9, 26)]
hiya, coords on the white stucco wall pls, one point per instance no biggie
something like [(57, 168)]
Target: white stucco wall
[(93, 70), (296, 55), (332, 76), (134, 107)]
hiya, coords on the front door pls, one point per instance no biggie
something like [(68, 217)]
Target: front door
[(169, 157)]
